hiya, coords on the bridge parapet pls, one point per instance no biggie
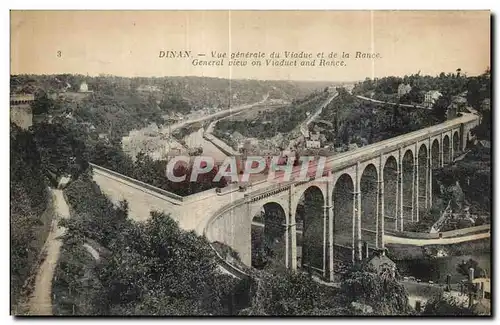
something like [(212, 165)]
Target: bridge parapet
[(207, 234), (22, 99), (257, 195), (177, 198)]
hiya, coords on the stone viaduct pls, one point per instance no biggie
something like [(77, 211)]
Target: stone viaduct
[(361, 195)]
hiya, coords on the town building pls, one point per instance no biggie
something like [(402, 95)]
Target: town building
[(313, 144), (314, 136), (84, 88), (147, 89), (431, 97), (403, 89)]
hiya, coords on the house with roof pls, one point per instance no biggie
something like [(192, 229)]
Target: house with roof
[(431, 97), (84, 88)]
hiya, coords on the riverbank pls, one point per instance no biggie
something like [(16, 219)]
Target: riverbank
[(437, 269), (436, 262), (411, 252)]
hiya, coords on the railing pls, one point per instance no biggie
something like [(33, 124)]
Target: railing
[(279, 187)]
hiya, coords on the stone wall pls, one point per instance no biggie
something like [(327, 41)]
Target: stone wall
[(21, 115)]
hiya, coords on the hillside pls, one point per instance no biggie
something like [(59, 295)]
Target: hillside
[(118, 105), (29, 198), (267, 123), (363, 122)]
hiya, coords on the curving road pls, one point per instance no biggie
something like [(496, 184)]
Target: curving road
[(304, 125), (393, 104)]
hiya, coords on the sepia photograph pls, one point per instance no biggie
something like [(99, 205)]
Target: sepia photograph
[(247, 163)]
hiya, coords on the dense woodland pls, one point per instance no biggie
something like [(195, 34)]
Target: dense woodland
[(448, 84)]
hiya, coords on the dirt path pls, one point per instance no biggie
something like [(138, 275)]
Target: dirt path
[(40, 301)]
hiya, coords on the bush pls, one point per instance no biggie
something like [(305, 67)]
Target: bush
[(384, 294), (441, 305)]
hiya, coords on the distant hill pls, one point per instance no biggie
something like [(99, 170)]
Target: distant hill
[(197, 91), (118, 105)]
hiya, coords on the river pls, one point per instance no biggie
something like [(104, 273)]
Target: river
[(196, 139), (436, 269)]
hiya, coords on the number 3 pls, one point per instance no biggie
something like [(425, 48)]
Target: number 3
[(59, 53)]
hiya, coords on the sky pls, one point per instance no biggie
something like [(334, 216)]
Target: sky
[(128, 43)]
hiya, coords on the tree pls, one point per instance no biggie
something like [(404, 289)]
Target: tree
[(291, 294), (441, 305), (440, 108), (156, 261), (463, 268), (483, 130), (153, 268), (60, 150), (43, 104), (175, 103), (384, 294)]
